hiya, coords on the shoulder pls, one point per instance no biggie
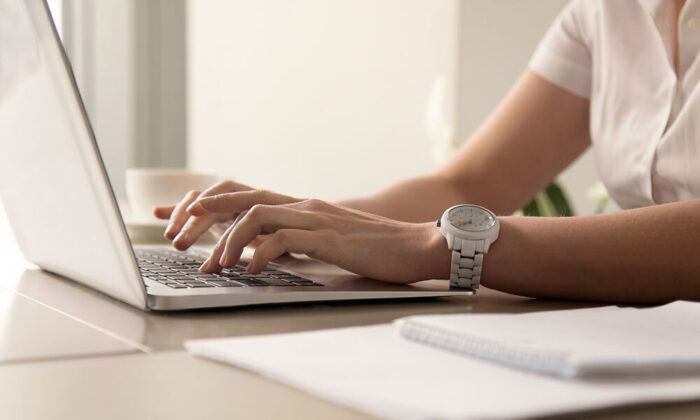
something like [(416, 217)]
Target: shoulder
[(585, 19), (579, 19)]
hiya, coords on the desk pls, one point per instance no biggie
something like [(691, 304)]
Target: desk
[(67, 351)]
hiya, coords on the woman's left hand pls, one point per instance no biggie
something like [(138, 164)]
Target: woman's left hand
[(363, 243)]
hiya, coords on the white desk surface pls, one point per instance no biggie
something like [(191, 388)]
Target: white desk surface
[(69, 352)]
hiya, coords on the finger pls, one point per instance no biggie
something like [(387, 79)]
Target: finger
[(258, 241), (211, 265), (163, 212), (236, 202), (192, 230), (179, 215), (225, 186), (221, 188), (193, 227), (287, 240), (219, 228), (239, 217), (265, 219)]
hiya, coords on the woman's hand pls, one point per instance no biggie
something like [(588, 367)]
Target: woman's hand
[(185, 226), (369, 245)]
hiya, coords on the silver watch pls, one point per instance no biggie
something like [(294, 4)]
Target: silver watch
[(470, 230)]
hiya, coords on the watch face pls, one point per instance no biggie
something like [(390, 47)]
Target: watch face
[(471, 218)]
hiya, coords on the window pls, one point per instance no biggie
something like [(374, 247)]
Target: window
[(56, 7)]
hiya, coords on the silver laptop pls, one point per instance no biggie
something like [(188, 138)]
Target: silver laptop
[(64, 214)]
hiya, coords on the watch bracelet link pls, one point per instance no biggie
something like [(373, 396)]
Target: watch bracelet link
[(467, 262)]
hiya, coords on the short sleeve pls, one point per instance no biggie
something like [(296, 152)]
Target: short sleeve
[(563, 57)]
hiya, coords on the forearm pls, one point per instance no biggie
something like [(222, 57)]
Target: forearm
[(417, 199), (647, 255), (504, 164)]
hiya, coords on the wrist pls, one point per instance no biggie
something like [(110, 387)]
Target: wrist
[(494, 266), (437, 253)]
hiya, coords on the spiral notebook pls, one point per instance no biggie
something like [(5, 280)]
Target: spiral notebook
[(612, 342)]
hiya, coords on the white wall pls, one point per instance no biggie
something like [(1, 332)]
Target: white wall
[(320, 98), (327, 98)]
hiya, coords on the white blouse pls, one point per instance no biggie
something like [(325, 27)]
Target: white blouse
[(644, 118)]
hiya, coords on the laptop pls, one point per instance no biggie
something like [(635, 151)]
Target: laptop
[(64, 214)]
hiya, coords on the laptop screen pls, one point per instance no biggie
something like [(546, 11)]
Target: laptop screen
[(52, 180)]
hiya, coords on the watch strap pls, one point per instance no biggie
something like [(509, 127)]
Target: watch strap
[(467, 262)]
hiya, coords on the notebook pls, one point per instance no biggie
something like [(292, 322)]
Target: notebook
[(612, 342)]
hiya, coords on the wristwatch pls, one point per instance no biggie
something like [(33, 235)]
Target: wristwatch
[(470, 230)]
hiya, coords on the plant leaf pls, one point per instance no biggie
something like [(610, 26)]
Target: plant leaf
[(551, 202)]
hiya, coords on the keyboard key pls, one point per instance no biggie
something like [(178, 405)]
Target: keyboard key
[(223, 283), (230, 284), (258, 276), (251, 282), (205, 276), (304, 282), (288, 277), (162, 272), (217, 282), (195, 286), (277, 282), (276, 272), (176, 286), (190, 264), (169, 264), (180, 277)]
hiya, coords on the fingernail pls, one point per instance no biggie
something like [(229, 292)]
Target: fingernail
[(204, 266), (182, 236), (191, 208), (182, 241), (169, 232), (224, 260)]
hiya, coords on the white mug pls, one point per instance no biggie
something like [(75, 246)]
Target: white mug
[(150, 187)]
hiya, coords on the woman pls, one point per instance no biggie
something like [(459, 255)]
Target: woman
[(620, 75)]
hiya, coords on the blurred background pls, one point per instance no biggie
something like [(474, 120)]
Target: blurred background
[(313, 98)]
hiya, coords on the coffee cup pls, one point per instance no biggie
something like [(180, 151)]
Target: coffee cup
[(150, 187)]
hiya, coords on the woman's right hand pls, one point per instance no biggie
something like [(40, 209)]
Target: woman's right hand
[(184, 228)]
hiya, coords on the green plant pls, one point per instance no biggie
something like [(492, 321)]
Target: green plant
[(551, 202)]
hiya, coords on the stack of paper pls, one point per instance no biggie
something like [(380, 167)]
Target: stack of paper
[(376, 370)]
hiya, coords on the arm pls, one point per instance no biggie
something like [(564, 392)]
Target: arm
[(646, 255), (536, 132)]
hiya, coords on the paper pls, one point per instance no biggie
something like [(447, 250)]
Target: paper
[(612, 342), (373, 369)]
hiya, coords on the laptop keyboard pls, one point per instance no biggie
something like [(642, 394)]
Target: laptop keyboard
[(180, 270)]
